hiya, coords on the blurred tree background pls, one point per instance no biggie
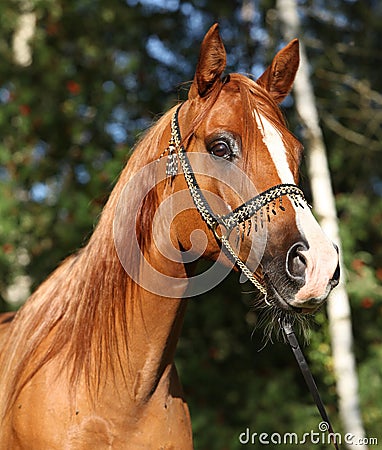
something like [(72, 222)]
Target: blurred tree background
[(99, 74)]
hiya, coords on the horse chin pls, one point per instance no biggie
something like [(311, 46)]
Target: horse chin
[(276, 308), (281, 295), (277, 300)]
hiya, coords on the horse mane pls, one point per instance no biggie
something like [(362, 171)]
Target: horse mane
[(79, 311)]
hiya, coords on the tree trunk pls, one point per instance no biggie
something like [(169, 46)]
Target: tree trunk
[(325, 208), (16, 293), (24, 32)]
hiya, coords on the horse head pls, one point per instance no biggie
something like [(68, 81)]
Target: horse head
[(242, 163)]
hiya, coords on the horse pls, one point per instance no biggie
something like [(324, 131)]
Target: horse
[(88, 361)]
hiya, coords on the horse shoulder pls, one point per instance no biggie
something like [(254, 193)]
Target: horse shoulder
[(45, 416)]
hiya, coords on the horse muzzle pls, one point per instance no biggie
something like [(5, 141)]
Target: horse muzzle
[(303, 282)]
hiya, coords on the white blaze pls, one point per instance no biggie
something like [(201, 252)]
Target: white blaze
[(275, 145), (321, 257)]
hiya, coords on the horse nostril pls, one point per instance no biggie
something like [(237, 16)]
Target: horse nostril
[(296, 262), (336, 276)]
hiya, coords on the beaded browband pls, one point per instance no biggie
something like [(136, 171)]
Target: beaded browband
[(270, 200)]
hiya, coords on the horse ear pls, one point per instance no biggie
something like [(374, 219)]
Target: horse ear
[(211, 64), (279, 76)]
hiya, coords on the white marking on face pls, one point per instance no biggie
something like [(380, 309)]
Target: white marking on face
[(321, 258), (273, 140)]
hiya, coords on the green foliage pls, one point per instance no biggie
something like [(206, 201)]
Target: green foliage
[(101, 71), (370, 380)]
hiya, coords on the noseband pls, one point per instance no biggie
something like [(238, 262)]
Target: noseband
[(269, 200)]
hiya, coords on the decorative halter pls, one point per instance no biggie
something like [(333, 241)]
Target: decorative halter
[(269, 199)]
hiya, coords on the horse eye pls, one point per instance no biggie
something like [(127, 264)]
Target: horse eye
[(220, 149)]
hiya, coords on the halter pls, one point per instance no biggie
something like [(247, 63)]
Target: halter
[(269, 200)]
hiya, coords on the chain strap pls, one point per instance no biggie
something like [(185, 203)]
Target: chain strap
[(243, 267)]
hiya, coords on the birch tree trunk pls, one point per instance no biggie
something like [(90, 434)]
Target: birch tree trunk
[(24, 32), (20, 289), (325, 208)]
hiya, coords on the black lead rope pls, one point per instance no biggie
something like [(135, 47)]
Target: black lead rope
[(307, 374)]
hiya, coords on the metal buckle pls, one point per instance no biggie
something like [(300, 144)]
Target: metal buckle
[(214, 228)]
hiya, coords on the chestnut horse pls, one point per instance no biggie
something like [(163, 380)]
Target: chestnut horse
[(88, 361)]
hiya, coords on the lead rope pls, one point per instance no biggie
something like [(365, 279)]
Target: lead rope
[(307, 374), (176, 149)]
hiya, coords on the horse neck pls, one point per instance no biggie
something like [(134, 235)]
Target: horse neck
[(92, 318), (149, 323), (154, 325)]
